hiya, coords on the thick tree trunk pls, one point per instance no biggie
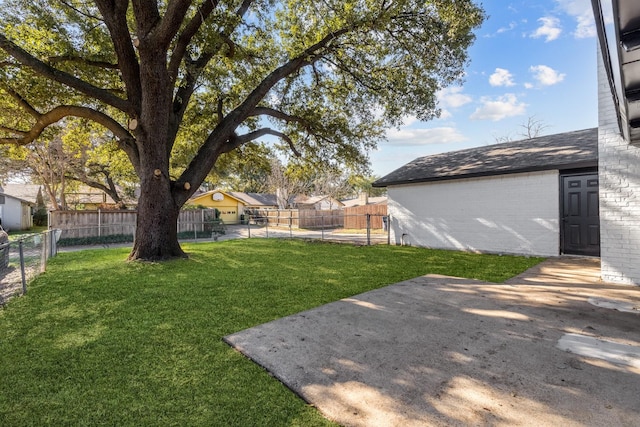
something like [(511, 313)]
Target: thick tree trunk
[(156, 235), (157, 224)]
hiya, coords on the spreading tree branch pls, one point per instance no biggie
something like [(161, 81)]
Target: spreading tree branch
[(267, 111), (125, 140), (84, 61), (203, 161), (62, 77), (110, 189), (190, 30), (195, 67), (169, 25), (238, 140), (115, 18), (22, 103)]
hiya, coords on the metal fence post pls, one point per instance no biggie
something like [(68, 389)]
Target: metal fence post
[(24, 276), (43, 253), (368, 229), (388, 229)]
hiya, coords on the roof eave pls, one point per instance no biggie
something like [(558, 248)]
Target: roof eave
[(558, 167), (620, 47)]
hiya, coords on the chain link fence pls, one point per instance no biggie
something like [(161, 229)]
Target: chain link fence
[(368, 229), (24, 258), (361, 229)]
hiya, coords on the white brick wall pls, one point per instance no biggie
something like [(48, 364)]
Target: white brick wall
[(619, 170), (515, 213)]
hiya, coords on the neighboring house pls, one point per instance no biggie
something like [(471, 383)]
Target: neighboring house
[(502, 198), (233, 204), (89, 198), (256, 200), (86, 198), (619, 139), (363, 199), (15, 213), (32, 193), (318, 203)]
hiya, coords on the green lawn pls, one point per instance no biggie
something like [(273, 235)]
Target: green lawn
[(98, 341)]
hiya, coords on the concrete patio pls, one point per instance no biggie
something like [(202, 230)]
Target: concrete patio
[(553, 346)]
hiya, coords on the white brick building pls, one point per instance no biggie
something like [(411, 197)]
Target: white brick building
[(472, 200), (619, 139), (465, 214), (534, 197)]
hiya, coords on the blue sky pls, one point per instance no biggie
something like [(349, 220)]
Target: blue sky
[(530, 60)]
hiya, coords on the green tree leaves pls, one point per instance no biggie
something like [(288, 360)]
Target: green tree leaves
[(178, 84)]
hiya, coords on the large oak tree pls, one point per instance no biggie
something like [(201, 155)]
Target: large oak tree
[(325, 77)]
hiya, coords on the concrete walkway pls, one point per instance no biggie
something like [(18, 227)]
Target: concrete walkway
[(551, 347)]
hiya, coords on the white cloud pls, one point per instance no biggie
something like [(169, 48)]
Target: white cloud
[(445, 114), (452, 97), (512, 25), (415, 137), (582, 12), (546, 76), (409, 120), (499, 108), (501, 77), (549, 29)]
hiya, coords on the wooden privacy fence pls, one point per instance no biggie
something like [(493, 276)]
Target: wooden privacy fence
[(356, 217), (321, 218), (298, 218), (85, 223)]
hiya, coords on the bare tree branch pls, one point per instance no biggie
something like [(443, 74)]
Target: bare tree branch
[(14, 131), (110, 189)]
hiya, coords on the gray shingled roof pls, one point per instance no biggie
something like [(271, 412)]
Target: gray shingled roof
[(570, 150), (255, 199), (28, 192)]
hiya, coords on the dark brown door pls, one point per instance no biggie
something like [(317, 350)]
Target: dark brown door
[(580, 215)]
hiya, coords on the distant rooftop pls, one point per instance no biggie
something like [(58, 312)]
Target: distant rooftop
[(28, 192), (255, 199), (570, 150)]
